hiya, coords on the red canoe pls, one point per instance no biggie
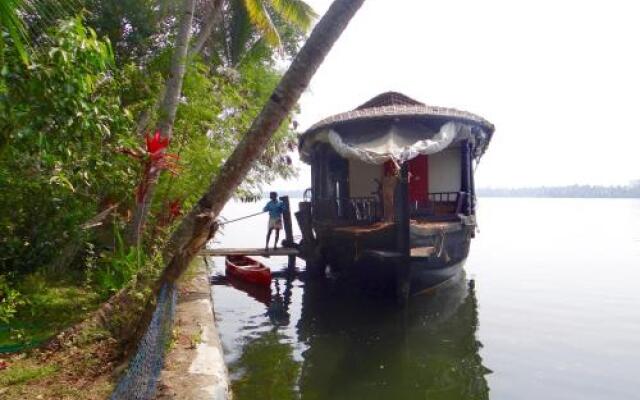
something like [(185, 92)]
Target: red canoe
[(248, 270)]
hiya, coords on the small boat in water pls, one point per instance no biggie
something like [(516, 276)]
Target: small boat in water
[(248, 270)]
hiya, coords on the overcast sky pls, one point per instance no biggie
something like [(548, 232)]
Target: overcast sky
[(560, 79)]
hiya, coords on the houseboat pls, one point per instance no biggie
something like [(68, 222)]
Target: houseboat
[(392, 190)]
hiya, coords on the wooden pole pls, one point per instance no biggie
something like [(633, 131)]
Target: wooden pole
[(288, 231), (403, 269), (288, 227), (472, 188), (466, 177)]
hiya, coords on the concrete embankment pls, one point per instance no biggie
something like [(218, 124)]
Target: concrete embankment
[(194, 367)]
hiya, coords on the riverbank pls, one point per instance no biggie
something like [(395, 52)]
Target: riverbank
[(194, 366), (79, 363), (85, 362)]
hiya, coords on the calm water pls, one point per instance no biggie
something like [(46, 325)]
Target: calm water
[(549, 308)]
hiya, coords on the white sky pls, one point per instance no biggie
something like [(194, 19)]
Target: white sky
[(559, 79)]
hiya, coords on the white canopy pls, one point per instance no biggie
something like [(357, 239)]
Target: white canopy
[(395, 143)]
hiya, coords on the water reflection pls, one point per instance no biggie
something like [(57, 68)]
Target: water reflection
[(360, 350), (268, 369), (340, 344)]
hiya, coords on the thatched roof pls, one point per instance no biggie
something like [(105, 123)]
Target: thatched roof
[(393, 105)]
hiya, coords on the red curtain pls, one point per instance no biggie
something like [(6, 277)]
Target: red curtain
[(419, 179)]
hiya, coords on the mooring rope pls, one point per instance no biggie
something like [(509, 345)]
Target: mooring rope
[(241, 218)]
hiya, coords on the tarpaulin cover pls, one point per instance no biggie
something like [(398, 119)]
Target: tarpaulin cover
[(394, 142)]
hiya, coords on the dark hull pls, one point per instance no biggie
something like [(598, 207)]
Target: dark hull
[(425, 277), (373, 259)]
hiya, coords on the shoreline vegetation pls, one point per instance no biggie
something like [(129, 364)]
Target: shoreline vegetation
[(119, 147), (571, 191)]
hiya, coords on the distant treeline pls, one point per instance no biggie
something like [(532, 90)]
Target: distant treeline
[(631, 191), (294, 194)]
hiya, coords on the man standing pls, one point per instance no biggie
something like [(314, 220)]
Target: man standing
[(275, 209)]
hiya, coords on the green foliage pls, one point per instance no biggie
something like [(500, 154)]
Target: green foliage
[(66, 117), (219, 108), (144, 25), (263, 29), (63, 124), (116, 268), (11, 23), (10, 300), (262, 14), (47, 304)]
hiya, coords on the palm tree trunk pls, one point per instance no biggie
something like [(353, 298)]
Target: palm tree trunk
[(212, 19), (167, 115), (199, 225)]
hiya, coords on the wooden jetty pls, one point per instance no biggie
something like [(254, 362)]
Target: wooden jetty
[(286, 251), (223, 252)]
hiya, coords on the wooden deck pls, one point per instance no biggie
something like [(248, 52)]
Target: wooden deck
[(280, 251), (416, 252)]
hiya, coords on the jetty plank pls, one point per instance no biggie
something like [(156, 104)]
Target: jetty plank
[(281, 251)]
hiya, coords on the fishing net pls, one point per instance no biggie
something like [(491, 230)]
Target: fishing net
[(141, 378)]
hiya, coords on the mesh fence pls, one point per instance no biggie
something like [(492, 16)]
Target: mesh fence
[(141, 379)]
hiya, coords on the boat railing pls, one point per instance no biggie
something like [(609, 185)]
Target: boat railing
[(449, 197), (439, 204), (353, 210)]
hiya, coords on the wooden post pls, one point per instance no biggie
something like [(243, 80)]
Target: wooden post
[(466, 177), (472, 188), (403, 269), (402, 210), (303, 216), (291, 263), (288, 228)]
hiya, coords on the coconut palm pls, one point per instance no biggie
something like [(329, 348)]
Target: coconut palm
[(245, 15), (258, 13), (167, 112), (245, 18), (198, 226)]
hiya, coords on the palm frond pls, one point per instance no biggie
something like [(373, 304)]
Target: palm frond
[(259, 50), (296, 12), (240, 31), (10, 20), (25, 20), (259, 17)]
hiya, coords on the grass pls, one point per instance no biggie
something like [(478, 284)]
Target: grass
[(52, 306), (21, 374), (81, 363), (79, 366), (79, 371)]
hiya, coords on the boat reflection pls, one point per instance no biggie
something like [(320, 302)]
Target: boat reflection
[(326, 340), (360, 350), (257, 292)]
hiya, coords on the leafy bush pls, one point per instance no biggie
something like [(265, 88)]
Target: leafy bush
[(62, 124), (115, 268), (10, 301)]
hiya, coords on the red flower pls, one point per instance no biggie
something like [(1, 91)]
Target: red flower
[(156, 143), (156, 161), (175, 209)]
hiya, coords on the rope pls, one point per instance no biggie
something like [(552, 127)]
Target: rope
[(241, 218)]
